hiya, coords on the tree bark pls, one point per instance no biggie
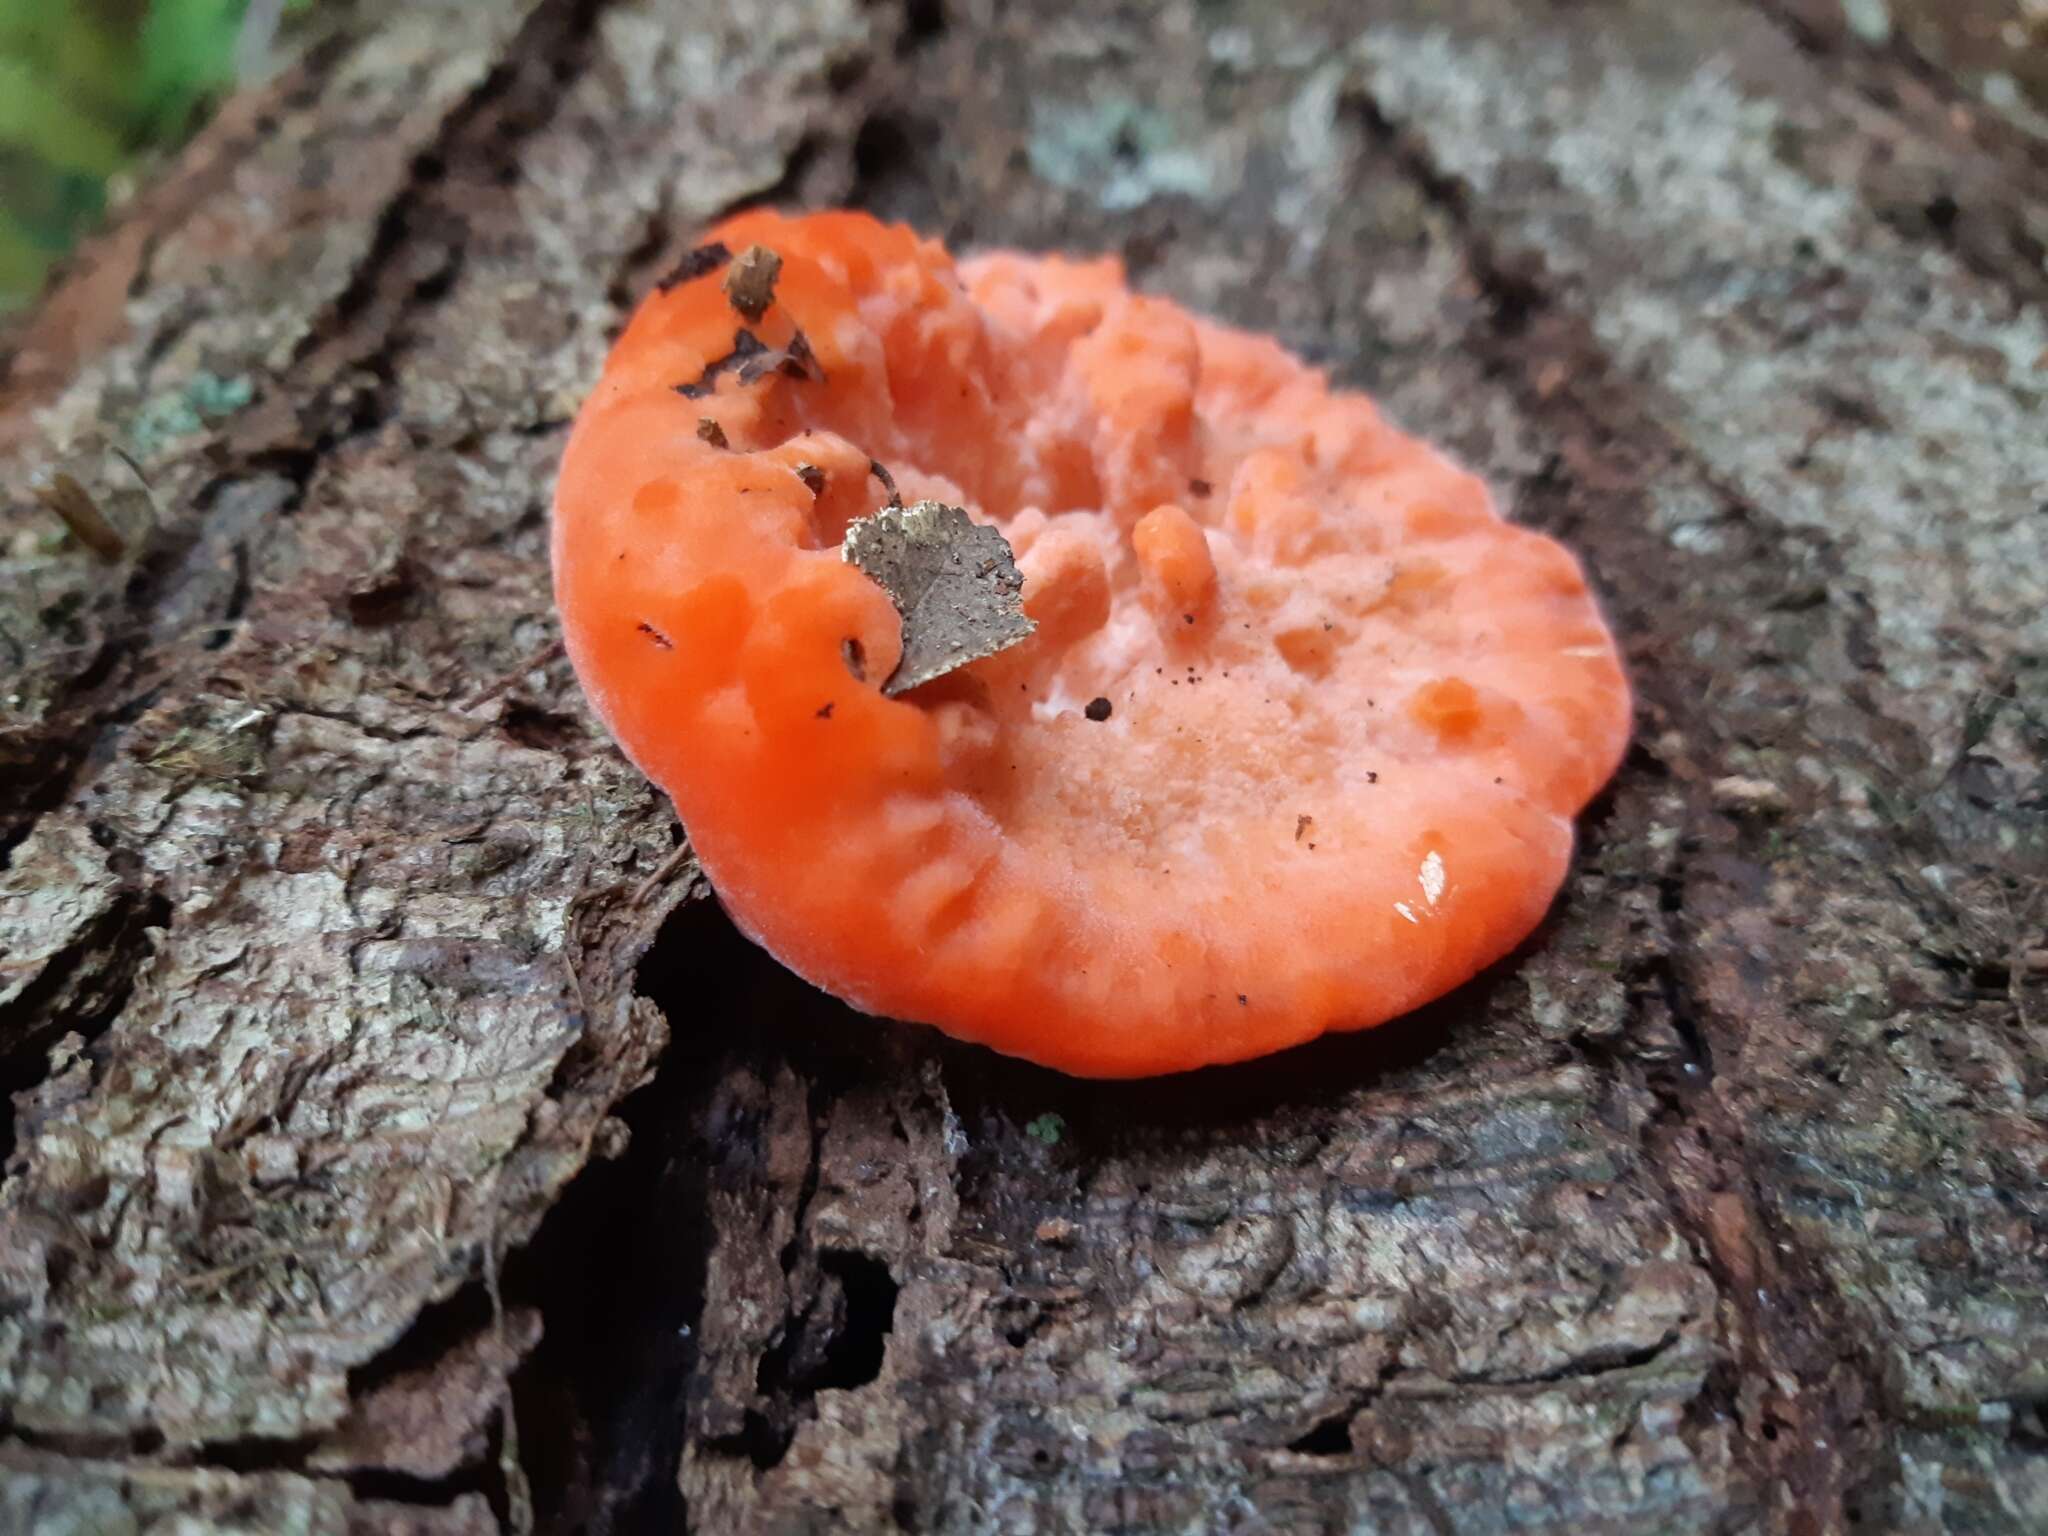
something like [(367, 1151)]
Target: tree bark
[(400, 1141)]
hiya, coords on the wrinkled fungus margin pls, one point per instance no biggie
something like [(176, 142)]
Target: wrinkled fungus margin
[(1295, 745)]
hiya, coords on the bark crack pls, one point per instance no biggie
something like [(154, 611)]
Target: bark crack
[(1694, 1142), (78, 992)]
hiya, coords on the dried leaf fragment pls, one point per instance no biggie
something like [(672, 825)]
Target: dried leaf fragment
[(63, 495), (750, 283), (954, 581), (752, 360), (1749, 797), (745, 345), (796, 361), (800, 362)]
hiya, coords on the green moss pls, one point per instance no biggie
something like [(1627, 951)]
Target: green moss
[(1047, 1128), (84, 91)]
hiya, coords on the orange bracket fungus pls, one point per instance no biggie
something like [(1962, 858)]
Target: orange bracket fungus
[(1174, 710)]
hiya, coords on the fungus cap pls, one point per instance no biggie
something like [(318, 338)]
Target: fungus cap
[(1350, 710)]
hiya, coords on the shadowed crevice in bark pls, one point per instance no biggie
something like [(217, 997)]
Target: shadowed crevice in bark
[(477, 144), (78, 992), (617, 1269), (607, 1400)]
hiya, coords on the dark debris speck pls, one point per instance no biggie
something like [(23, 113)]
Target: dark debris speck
[(701, 262)]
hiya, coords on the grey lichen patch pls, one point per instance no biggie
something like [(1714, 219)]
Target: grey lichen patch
[(955, 581), (81, 1496), (1673, 201), (1123, 153), (1870, 20)]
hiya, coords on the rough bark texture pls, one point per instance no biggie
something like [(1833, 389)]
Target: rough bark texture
[(388, 1152)]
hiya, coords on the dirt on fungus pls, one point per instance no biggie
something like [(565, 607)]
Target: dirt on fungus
[(750, 281)]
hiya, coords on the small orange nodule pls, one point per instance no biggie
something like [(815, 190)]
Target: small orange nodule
[(1175, 555), (1294, 748), (1449, 706), (1310, 648), (1066, 586)]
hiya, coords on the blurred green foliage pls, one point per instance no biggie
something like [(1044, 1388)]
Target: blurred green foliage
[(86, 86)]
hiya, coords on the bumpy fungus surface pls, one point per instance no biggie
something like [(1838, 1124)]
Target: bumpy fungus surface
[(1350, 711)]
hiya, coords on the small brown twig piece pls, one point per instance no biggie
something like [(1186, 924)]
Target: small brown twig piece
[(881, 473), (661, 876), (142, 479), (546, 655), (63, 495), (750, 282)]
